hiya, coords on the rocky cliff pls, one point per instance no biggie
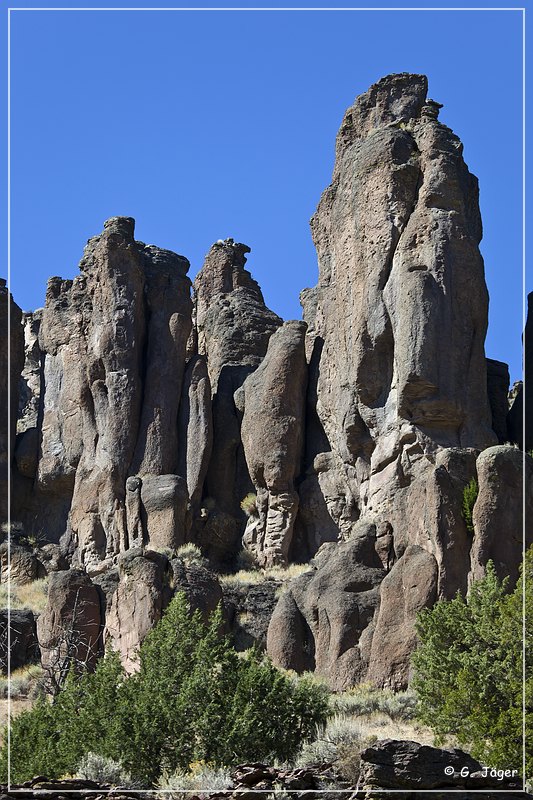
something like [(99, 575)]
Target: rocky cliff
[(150, 408)]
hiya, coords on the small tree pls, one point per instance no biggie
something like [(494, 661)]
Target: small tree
[(468, 669)]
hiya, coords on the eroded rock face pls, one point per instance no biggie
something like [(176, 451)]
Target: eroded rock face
[(12, 355), (137, 603), (145, 416), (70, 625), (233, 328), (400, 272), (498, 512), (113, 345), (272, 401), (320, 621)]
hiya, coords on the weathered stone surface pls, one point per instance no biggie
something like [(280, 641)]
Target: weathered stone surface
[(319, 621), (497, 515), (24, 648), (410, 586), (164, 501), (517, 418), (498, 391), (400, 272), (137, 604), (233, 328), (22, 567), (195, 427), (12, 356), (272, 400), (70, 624), (397, 764), (113, 343), (249, 608), (30, 379), (217, 533), (199, 584)]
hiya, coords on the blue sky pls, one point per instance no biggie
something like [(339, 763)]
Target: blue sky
[(209, 124)]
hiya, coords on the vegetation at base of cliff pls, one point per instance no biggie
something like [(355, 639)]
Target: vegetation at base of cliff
[(193, 699), (470, 493), (469, 669)]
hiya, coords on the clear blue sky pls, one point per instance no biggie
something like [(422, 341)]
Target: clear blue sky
[(209, 124)]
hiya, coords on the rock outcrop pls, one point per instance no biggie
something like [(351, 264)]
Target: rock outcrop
[(394, 764), (272, 401), (232, 330), (11, 364), (400, 272), (69, 629), (319, 622), (150, 418), (519, 421)]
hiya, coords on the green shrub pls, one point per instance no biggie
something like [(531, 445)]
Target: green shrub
[(470, 493), (468, 671), (193, 700)]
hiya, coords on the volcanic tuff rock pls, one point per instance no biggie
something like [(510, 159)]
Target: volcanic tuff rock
[(147, 415), (272, 401), (12, 356), (516, 413), (233, 327)]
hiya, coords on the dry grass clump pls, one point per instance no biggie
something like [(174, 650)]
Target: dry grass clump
[(31, 595), (201, 777), (249, 505), (100, 769), (23, 681), (252, 577), (365, 699), (339, 742), (192, 555)]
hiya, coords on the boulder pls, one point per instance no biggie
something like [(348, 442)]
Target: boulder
[(396, 764), (142, 592), (498, 516), (70, 627), (22, 567), (200, 586), (320, 622), (24, 647)]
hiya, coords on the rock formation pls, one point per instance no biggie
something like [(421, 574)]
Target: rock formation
[(147, 415), (519, 417), (272, 401), (11, 364)]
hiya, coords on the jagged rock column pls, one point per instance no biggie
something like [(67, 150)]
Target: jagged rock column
[(397, 236), (272, 400), (232, 327), (114, 342)]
